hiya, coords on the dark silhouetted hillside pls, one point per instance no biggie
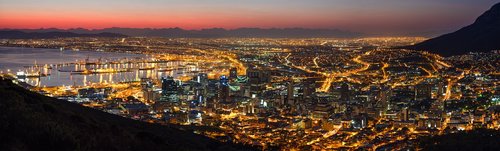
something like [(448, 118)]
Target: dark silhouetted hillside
[(30, 121), (477, 140), (15, 34), (481, 36)]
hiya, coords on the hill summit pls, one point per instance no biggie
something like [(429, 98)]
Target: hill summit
[(481, 36)]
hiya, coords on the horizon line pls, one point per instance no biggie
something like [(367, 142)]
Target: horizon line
[(227, 29), (180, 28)]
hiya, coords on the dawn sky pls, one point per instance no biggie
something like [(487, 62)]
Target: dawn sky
[(371, 16)]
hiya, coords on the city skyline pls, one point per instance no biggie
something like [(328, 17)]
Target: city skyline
[(248, 75), (360, 16)]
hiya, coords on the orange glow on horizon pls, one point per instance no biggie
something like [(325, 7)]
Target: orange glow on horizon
[(91, 20), (358, 16)]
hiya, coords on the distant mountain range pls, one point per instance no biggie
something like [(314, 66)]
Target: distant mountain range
[(16, 34), (210, 33), (31, 121), (481, 36)]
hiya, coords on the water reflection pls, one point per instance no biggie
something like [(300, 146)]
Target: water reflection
[(61, 68)]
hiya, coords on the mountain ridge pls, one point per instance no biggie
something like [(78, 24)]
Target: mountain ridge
[(480, 36), (211, 32)]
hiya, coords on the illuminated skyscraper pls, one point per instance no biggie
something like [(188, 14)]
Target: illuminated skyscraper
[(257, 80), (202, 78), (224, 90), (168, 86)]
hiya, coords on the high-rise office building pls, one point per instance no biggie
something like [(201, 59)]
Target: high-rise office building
[(257, 79), (253, 76), (224, 90), (440, 89), (384, 96), (405, 114), (168, 86), (257, 76), (423, 91), (345, 94), (290, 92), (202, 78), (308, 89), (150, 95)]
